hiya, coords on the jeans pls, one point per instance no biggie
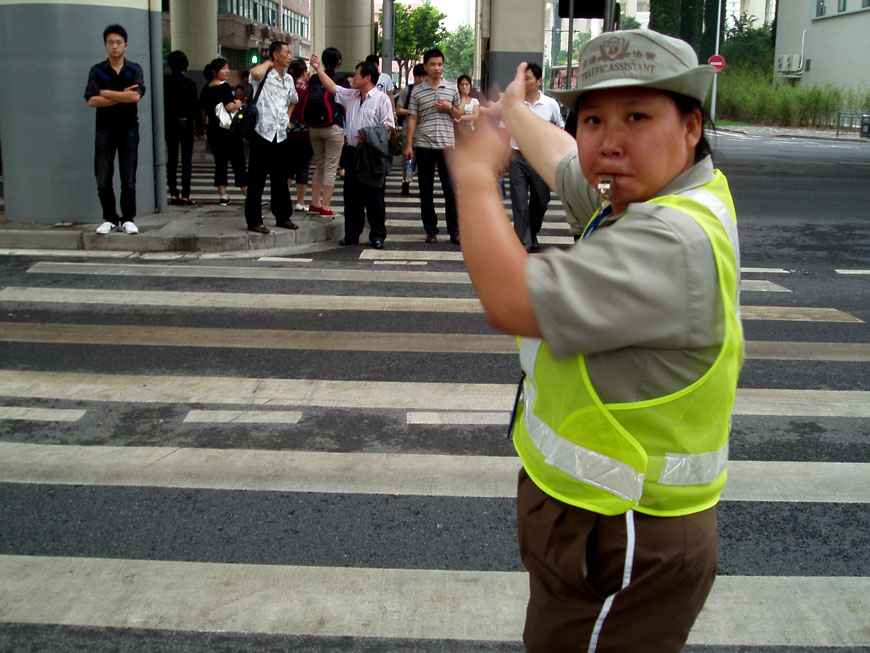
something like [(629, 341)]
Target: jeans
[(427, 161), (179, 133), (530, 196), (268, 159), (124, 141)]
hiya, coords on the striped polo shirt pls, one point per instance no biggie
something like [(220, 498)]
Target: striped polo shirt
[(434, 129)]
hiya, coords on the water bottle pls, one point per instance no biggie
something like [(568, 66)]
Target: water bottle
[(409, 170)]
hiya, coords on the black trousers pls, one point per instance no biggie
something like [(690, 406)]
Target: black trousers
[(179, 133), (125, 142), (530, 197), (268, 159), (361, 201), (227, 148), (427, 161)]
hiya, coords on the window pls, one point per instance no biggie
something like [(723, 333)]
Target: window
[(820, 7), (865, 3), (841, 5), (294, 23)]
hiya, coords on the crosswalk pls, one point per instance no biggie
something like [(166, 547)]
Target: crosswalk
[(309, 453)]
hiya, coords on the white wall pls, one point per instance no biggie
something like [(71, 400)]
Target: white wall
[(837, 48)]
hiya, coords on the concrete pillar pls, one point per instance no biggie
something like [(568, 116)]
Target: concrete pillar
[(47, 127), (193, 30), (512, 31), (347, 25)]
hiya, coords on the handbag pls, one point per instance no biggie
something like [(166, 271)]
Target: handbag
[(395, 142), (244, 122), (225, 118)]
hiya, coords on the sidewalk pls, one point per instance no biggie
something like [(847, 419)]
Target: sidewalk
[(794, 132), (201, 228)]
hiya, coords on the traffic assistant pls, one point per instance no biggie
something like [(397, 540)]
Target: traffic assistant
[(630, 343)]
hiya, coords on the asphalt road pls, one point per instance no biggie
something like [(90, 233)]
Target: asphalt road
[(306, 420)]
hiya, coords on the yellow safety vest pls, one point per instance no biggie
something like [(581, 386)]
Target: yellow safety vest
[(664, 456)]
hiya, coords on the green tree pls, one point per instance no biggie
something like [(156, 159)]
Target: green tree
[(416, 30), (458, 49), (748, 49), (708, 38), (579, 39), (628, 22), (664, 16)]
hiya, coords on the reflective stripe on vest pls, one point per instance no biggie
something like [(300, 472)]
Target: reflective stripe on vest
[(600, 471), (722, 213), (585, 465)]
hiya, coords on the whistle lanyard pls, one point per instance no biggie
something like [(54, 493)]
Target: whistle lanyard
[(592, 226)]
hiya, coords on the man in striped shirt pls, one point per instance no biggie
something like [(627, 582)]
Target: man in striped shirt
[(364, 106), (433, 106)]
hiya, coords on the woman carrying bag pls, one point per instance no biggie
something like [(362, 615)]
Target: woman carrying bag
[(218, 102)]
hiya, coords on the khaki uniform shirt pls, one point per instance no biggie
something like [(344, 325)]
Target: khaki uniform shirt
[(639, 297)]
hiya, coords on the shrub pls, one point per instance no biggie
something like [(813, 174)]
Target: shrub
[(750, 96)]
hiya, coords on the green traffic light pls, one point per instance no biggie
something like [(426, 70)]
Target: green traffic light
[(254, 58)]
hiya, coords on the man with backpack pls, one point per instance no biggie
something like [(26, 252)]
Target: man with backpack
[(402, 111), (325, 120)]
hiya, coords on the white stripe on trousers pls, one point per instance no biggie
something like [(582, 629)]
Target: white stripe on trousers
[(626, 579)]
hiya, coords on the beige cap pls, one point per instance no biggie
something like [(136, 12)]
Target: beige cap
[(639, 57)]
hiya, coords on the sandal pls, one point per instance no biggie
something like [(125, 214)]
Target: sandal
[(185, 201)]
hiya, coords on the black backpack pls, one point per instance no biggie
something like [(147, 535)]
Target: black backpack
[(319, 108), (401, 119), (244, 122)]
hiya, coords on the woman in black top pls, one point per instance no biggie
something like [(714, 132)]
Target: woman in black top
[(183, 118), (224, 146)]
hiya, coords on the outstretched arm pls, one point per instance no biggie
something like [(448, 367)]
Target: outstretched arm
[(494, 257), (328, 83)]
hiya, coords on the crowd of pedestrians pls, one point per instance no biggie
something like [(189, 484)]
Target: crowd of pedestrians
[(339, 125)]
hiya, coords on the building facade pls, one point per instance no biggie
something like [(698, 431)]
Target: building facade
[(823, 42), (247, 27)]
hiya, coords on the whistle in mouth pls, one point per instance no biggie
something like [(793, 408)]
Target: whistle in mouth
[(604, 186)]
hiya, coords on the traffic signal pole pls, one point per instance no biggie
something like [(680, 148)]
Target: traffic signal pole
[(388, 49), (716, 76)]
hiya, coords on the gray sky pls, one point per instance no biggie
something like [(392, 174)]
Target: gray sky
[(458, 12)]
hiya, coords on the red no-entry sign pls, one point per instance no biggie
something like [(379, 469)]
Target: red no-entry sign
[(717, 61)]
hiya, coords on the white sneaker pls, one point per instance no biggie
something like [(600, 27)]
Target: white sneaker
[(129, 228), (107, 228), (301, 207)]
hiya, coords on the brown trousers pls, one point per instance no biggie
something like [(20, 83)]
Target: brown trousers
[(584, 596)]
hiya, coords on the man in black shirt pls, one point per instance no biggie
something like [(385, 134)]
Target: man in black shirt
[(114, 87)]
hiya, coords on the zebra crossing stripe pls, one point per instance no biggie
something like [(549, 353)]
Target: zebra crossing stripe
[(376, 473), (31, 414), (388, 603), (243, 416), (761, 285), (400, 395), (85, 296), (140, 335), (247, 272)]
